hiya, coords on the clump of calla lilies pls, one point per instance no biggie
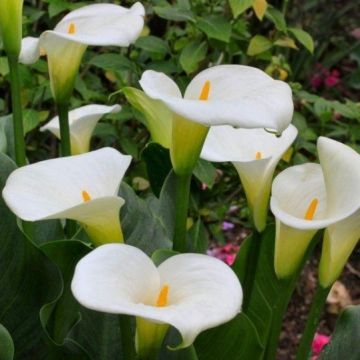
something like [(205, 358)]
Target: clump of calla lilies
[(228, 113)]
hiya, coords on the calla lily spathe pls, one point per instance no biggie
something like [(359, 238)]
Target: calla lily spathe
[(309, 197), (98, 25), (237, 95), (11, 25), (82, 122), (191, 292), (82, 187), (255, 154)]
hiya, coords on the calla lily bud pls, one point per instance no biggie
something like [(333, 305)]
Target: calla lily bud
[(11, 25), (82, 187), (82, 122), (236, 95), (97, 24), (255, 154), (191, 292), (309, 197)]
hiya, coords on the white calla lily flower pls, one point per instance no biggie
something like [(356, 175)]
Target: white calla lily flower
[(191, 292), (98, 25), (82, 187), (237, 95), (309, 197), (82, 122), (255, 154)]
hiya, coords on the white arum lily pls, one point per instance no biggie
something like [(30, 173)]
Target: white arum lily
[(82, 122), (98, 25), (237, 95), (309, 197), (82, 187), (255, 154), (191, 292)]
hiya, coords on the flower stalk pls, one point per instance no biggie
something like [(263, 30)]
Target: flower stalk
[(182, 194), (312, 322), (65, 144), (19, 136)]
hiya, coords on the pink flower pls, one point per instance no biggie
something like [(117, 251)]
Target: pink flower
[(331, 81), (320, 340)]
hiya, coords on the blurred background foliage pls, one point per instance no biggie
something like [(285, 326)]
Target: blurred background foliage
[(312, 44)]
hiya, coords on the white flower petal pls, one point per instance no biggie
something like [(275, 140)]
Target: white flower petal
[(30, 50), (293, 190), (103, 24), (40, 190), (239, 95), (115, 278), (82, 122), (341, 167), (242, 146), (203, 291)]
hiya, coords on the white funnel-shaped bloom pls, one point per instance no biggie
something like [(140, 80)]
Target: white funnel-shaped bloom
[(309, 197), (82, 122), (98, 25), (82, 187), (191, 292), (237, 95), (255, 154)]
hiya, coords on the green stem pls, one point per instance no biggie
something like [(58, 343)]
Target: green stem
[(182, 194), (19, 136), (251, 265), (312, 322), (127, 338), (63, 111)]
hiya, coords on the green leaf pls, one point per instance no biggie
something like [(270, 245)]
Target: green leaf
[(31, 120), (157, 117), (205, 171), (345, 340), (258, 44), (198, 238), (6, 345), (191, 56), (28, 281), (239, 6), (153, 44), (160, 255), (303, 38), (286, 41), (277, 17), (148, 224), (174, 13), (158, 165), (236, 339), (215, 27), (112, 62)]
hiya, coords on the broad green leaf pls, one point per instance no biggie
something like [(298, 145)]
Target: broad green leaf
[(205, 172), (215, 27), (277, 17), (31, 120), (160, 255), (158, 165), (7, 136), (28, 281), (148, 224), (4, 66), (260, 7), (158, 118), (6, 344), (198, 238), (191, 56), (174, 13), (345, 340), (236, 339), (258, 44), (153, 44), (239, 6), (303, 38), (112, 62)]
